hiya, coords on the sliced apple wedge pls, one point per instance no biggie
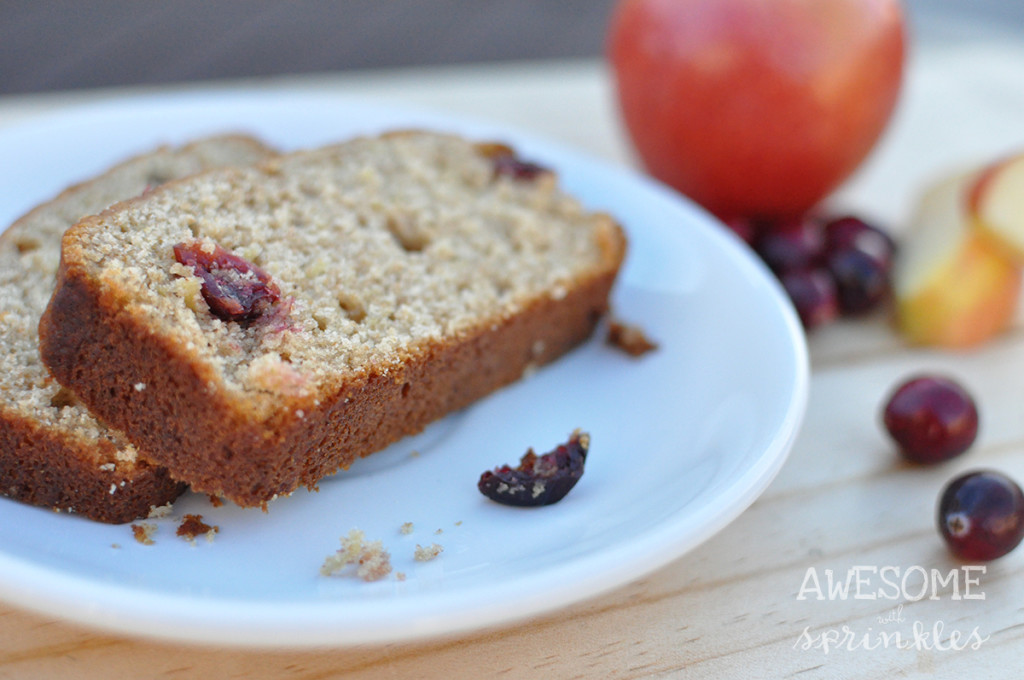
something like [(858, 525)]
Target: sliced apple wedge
[(996, 202), (953, 286)]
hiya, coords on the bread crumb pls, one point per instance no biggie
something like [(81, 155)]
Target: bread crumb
[(372, 561), (630, 339), (439, 532), (158, 512), (193, 525), (216, 501), (406, 528), (115, 546), (426, 554), (400, 576), (143, 532)]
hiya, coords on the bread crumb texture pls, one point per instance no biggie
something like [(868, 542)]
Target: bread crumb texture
[(193, 526), (629, 338), (428, 553), (379, 246), (29, 257), (143, 532), (44, 425), (369, 559)]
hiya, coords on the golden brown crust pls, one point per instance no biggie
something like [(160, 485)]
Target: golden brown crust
[(200, 436), (40, 467)]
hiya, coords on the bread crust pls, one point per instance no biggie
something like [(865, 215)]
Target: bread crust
[(41, 467), (50, 461), (185, 423)]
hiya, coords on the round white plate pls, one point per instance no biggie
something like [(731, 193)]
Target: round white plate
[(683, 439)]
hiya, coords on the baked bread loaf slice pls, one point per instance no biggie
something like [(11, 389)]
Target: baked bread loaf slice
[(255, 329), (53, 453)]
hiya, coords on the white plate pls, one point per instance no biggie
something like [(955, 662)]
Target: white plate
[(683, 440)]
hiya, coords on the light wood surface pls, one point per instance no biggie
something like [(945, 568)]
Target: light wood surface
[(732, 607)]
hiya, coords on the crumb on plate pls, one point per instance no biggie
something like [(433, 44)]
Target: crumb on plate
[(428, 553), (159, 511), (143, 532), (630, 339), (193, 526), (371, 560)]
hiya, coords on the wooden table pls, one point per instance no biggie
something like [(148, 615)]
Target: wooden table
[(732, 608)]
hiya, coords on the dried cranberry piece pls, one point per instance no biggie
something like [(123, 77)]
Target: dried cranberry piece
[(538, 480), (507, 163), (234, 288), (516, 168)]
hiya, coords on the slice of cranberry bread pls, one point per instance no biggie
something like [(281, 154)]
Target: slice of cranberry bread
[(256, 329), (53, 453)]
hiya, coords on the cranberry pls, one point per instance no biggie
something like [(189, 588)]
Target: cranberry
[(853, 233), (981, 515), (790, 245), (507, 163), (510, 165), (813, 293), (538, 480), (932, 419), (234, 288), (862, 281), (859, 257)]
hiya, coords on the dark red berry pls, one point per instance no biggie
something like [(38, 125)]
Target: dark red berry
[(509, 165), (234, 288), (813, 293), (981, 515), (853, 233), (932, 419), (862, 281), (538, 480), (790, 245)]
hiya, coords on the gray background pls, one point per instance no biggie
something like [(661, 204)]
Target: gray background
[(72, 44)]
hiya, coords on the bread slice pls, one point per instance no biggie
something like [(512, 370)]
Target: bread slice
[(53, 453), (383, 283)]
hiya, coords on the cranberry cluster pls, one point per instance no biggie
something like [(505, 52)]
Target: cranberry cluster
[(829, 268)]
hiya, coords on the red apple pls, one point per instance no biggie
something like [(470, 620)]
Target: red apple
[(756, 107)]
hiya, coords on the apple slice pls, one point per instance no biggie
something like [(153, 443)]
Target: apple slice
[(996, 202), (953, 286)]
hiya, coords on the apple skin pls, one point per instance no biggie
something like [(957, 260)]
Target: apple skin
[(755, 108), (996, 203), (954, 288)]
